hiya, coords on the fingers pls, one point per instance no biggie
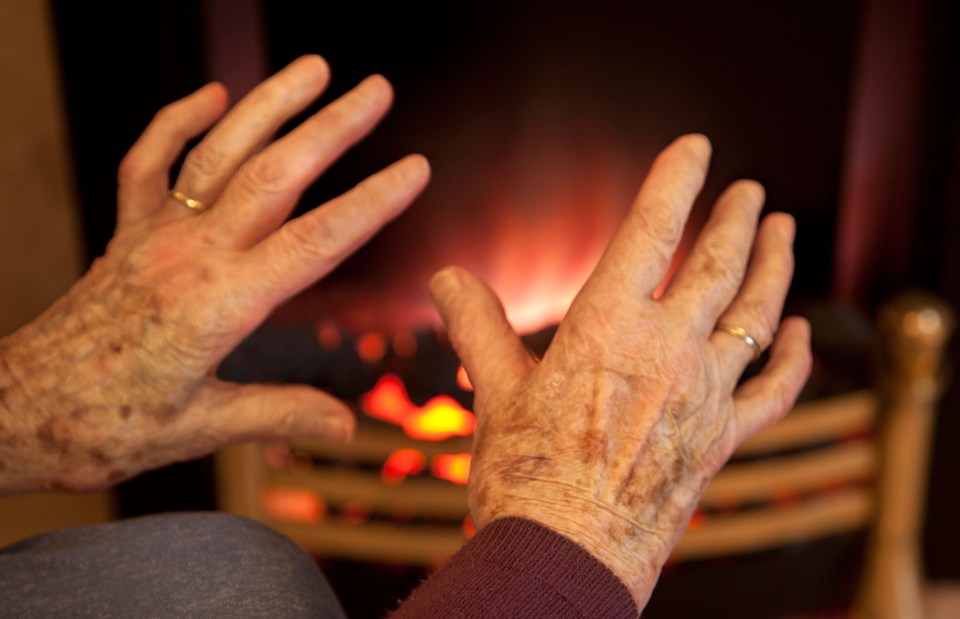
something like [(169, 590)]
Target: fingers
[(244, 130), (711, 275), (769, 396), (266, 188), (237, 412), (143, 175), (640, 253), (489, 348), (759, 302), (308, 247)]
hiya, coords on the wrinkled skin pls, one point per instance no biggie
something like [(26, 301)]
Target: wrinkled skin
[(119, 375), (611, 439)]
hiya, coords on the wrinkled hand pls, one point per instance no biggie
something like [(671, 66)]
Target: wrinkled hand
[(118, 376), (612, 438)]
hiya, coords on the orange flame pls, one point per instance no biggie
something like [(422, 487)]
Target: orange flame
[(292, 504), (401, 463), (437, 420), (452, 467)]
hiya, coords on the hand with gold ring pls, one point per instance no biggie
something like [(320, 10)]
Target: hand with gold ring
[(612, 438), (119, 375)]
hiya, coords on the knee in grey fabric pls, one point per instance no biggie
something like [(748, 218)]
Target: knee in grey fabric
[(183, 565)]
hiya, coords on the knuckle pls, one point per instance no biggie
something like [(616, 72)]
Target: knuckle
[(165, 116), (264, 175), (762, 318), (131, 169), (723, 261), (657, 220), (205, 159), (316, 243)]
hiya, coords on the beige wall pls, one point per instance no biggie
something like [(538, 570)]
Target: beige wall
[(39, 237), (39, 234)]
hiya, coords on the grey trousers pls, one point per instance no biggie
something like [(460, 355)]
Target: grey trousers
[(184, 565)]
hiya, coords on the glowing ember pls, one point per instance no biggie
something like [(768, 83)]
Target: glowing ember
[(452, 467), (292, 504), (371, 347), (388, 400), (437, 420), (328, 336), (401, 463)]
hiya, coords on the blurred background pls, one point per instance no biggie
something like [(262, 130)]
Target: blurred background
[(540, 120)]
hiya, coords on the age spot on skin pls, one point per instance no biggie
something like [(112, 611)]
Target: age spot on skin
[(116, 348), (99, 457), (155, 311), (48, 439), (126, 411), (10, 439), (164, 412), (594, 447)]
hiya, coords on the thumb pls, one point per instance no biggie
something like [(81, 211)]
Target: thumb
[(256, 411), (489, 348)]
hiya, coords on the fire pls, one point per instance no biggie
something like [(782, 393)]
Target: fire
[(401, 463), (452, 467), (293, 504), (437, 420)]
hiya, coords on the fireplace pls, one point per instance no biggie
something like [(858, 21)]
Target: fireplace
[(539, 119)]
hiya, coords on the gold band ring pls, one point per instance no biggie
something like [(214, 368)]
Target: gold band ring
[(741, 333), (190, 203)]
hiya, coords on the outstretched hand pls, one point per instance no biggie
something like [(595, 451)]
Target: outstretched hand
[(612, 437), (119, 375)]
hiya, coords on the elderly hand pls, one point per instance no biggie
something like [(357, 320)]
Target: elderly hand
[(118, 376), (612, 438)]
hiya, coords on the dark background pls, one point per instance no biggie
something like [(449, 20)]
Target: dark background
[(769, 83)]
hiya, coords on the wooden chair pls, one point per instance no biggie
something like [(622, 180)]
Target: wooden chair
[(857, 461)]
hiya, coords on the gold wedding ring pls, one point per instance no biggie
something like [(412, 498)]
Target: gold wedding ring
[(741, 333), (187, 201)]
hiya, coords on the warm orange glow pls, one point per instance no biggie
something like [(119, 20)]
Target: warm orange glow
[(292, 504), (463, 380), (437, 420), (452, 467), (404, 344), (388, 400), (401, 463), (328, 336), (371, 347)]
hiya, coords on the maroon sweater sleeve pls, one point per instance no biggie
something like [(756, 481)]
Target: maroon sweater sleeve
[(518, 568)]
